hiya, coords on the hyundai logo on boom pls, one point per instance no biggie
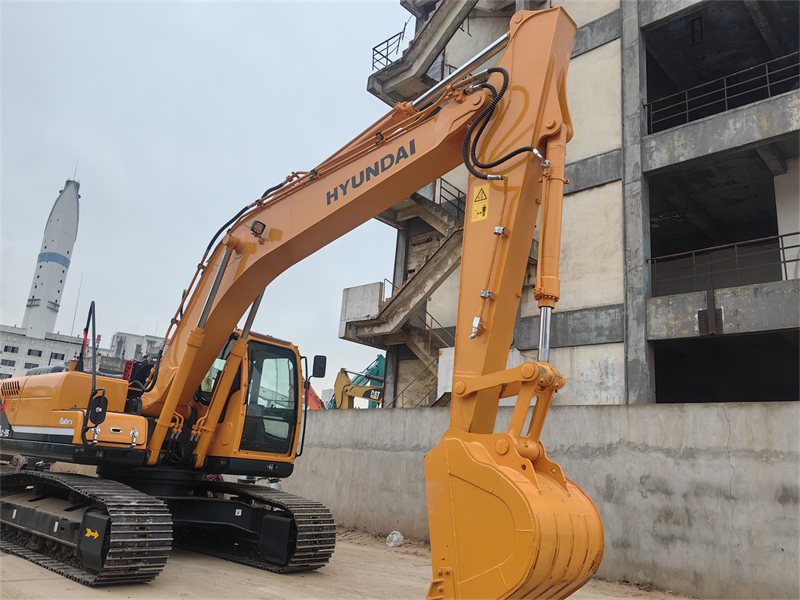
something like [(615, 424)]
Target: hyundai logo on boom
[(384, 164)]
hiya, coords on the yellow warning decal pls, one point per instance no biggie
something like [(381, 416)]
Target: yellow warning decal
[(90, 533), (480, 203)]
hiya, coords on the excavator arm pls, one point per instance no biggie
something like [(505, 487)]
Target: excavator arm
[(504, 520)]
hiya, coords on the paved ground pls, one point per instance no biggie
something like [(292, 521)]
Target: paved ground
[(363, 567)]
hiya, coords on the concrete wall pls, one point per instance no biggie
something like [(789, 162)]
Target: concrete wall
[(787, 203), (591, 251), (482, 32), (701, 499), (595, 374), (594, 96), (745, 309), (359, 304), (444, 301)]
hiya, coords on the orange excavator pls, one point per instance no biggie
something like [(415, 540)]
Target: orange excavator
[(504, 520)]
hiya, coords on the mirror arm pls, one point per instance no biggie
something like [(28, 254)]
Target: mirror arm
[(306, 386)]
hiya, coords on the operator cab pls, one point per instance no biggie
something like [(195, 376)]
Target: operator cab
[(272, 399), (272, 396)]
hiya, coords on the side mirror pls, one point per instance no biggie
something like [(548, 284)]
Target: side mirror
[(98, 405), (320, 363)]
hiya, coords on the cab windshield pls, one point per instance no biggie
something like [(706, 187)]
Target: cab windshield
[(272, 399)]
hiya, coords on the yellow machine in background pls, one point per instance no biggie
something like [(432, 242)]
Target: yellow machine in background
[(345, 393), (504, 520)]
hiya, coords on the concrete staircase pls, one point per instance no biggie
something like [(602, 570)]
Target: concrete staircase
[(369, 318)]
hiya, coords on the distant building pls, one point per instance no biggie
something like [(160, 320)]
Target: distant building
[(21, 352), (130, 346)]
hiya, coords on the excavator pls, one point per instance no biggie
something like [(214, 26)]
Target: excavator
[(505, 522), (345, 391)]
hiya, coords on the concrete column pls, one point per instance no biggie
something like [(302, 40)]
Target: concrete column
[(398, 278), (400, 258), (639, 372), (390, 377), (787, 203)]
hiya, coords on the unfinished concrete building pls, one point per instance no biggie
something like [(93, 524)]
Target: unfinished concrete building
[(680, 221), (678, 324)]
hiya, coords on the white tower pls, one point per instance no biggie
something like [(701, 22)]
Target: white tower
[(55, 255)]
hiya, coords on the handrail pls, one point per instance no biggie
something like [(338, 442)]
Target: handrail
[(450, 194), (777, 241), (725, 90), (419, 389), (409, 384), (381, 53), (427, 314)]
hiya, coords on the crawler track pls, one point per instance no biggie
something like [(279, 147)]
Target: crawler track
[(140, 537), (313, 544)]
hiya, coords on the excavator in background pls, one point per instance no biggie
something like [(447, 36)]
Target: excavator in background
[(505, 522), (345, 392)]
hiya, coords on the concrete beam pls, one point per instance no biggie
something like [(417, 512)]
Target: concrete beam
[(593, 171), (773, 158), (427, 216), (660, 12), (728, 132), (600, 31), (390, 375), (764, 25), (492, 6), (388, 217), (600, 325), (689, 208), (745, 309), (400, 259)]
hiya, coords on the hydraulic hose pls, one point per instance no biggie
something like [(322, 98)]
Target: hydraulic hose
[(240, 213), (468, 150)]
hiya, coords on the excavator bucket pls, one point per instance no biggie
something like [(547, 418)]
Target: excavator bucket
[(499, 532)]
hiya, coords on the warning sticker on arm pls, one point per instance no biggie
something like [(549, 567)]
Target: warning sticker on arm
[(480, 203)]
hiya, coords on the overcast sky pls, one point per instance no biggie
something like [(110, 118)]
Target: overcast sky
[(180, 114)]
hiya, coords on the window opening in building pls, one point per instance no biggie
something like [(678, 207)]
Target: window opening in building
[(32, 352), (5, 376), (11, 349), (715, 224), (31, 365), (708, 368), (7, 363), (56, 356)]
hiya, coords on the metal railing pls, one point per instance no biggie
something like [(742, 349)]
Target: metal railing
[(732, 91), (422, 387), (452, 196), (429, 327), (383, 52), (753, 261)]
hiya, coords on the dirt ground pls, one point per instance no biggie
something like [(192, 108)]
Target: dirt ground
[(362, 567)]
